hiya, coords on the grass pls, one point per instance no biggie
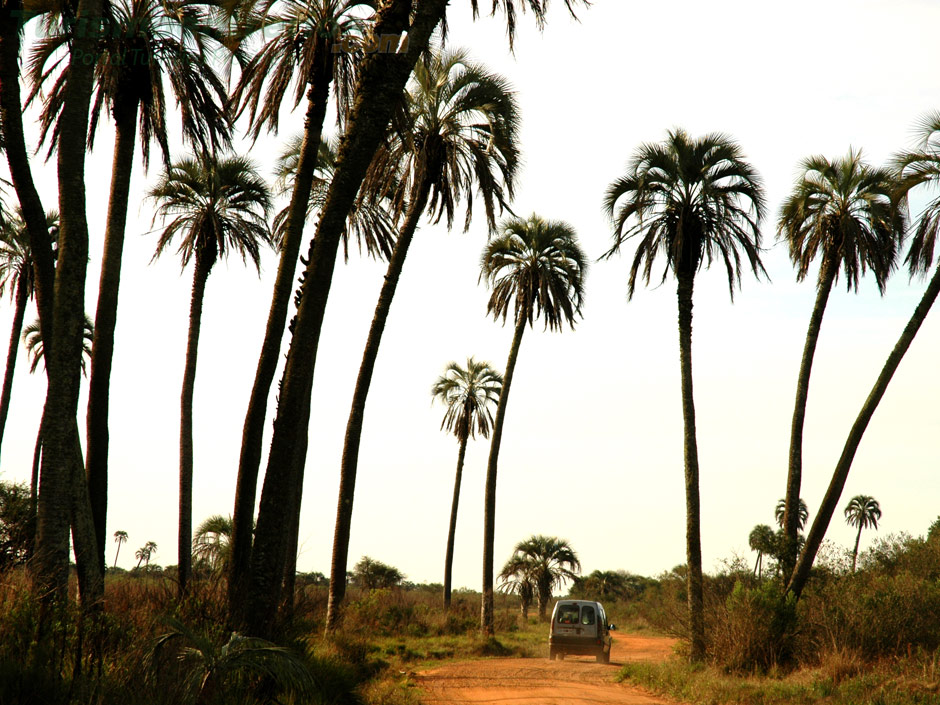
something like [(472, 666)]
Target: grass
[(839, 680)]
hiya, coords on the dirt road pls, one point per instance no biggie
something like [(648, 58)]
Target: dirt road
[(574, 681)]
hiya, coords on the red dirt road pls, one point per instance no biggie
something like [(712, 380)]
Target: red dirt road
[(577, 680)]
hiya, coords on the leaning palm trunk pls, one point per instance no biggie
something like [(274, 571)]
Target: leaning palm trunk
[(693, 538), (489, 497), (253, 430), (204, 262), (49, 567), (841, 472), (18, 312), (350, 461), (791, 514), (381, 83), (452, 529), (14, 143), (125, 118)]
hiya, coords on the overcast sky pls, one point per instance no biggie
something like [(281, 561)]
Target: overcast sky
[(592, 447)]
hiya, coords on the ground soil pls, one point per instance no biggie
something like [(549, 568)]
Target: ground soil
[(577, 680)]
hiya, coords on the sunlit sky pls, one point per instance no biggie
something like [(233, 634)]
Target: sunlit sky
[(592, 447)]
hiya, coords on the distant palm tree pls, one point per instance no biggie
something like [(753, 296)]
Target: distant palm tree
[(535, 268), (763, 540), (215, 205), (692, 201), (516, 578), (843, 212), (17, 275), (120, 538), (212, 543), (469, 395), (861, 511), (460, 136), (145, 553), (550, 563), (780, 514)]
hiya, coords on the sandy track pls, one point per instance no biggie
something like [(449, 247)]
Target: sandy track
[(574, 681)]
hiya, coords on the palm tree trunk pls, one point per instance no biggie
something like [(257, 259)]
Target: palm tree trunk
[(545, 596), (693, 539), (452, 530), (117, 553), (489, 498), (34, 490), (63, 357), (253, 431), (841, 472), (125, 120), (791, 513), (382, 80), (20, 309), (350, 461), (204, 262), (14, 142), (85, 543), (858, 537)]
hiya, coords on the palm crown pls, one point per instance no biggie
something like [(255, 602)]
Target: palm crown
[(214, 206), (35, 351), (302, 32), (780, 510), (462, 130), (469, 394), (693, 201), (143, 44), (16, 259), (921, 167), (843, 210), (863, 512), (539, 265)]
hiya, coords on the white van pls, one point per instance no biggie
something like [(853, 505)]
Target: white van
[(580, 627)]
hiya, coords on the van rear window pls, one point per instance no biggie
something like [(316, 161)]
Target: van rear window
[(587, 615), (568, 614)]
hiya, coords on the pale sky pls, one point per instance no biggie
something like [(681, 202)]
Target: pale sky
[(595, 411)]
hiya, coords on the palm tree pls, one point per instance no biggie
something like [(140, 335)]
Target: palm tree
[(145, 44), (381, 84), (212, 543), (462, 127), (780, 514), (18, 276), (516, 578), (302, 37), (216, 205), (120, 538), (536, 267), (145, 553), (693, 200), (862, 511), (551, 562), (763, 540), (469, 394), (841, 211), (915, 168)]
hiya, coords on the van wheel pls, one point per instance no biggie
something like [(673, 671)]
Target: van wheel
[(551, 653), (603, 657), (561, 655)]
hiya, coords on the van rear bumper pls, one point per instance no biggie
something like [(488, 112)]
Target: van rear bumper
[(575, 645)]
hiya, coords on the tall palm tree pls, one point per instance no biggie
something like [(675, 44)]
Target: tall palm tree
[(842, 212), (469, 395), (535, 267), (380, 86), (144, 44), (120, 538), (299, 51), (763, 540), (551, 562), (916, 168), (17, 274), (780, 514), (863, 512), (462, 126), (145, 553), (217, 205), (692, 200), (516, 578)]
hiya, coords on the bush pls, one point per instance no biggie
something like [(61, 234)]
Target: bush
[(754, 632)]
